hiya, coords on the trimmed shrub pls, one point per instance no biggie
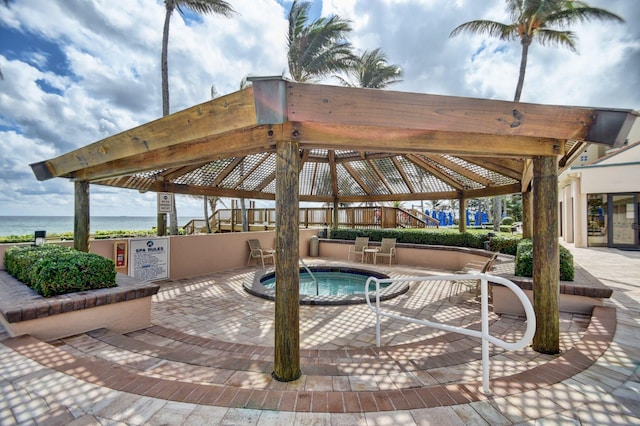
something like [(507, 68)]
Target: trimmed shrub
[(450, 238), (51, 270), (524, 261), (507, 220)]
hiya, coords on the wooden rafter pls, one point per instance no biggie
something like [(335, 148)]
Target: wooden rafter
[(404, 175), (451, 165), (244, 176), (333, 173), (380, 176), (436, 172), (357, 178)]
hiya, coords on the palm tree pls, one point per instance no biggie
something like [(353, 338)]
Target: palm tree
[(372, 70), (317, 49), (544, 21), (219, 7), (535, 20)]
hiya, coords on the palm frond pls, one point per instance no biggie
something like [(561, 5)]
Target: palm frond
[(548, 37), (206, 7), (490, 28), (566, 17)]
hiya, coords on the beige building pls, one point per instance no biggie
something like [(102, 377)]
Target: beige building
[(598, 196)]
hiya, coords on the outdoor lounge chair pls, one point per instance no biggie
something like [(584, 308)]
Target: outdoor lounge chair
[(387, 249), (471, 268), (358, 248), (257, 252)]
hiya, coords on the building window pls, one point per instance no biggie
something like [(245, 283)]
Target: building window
[(597, 224), (584, 158)]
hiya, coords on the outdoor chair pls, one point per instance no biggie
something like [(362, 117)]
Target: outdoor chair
[(387, 249), (257, 252), (472, 268), (358, 248), (39, 238)]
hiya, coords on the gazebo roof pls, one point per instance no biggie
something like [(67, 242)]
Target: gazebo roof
[(355, 144)]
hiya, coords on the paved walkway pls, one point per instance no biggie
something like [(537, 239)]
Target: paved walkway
[(208, 355)]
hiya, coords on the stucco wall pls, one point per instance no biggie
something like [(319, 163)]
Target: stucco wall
[(193, 255)]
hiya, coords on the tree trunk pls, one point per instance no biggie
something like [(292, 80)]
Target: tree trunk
[(81, 217), (527, 214), (164, 67), (497, 210), (206, 214), (523, 68), (243, 212), (164, 62), (286, 365), (173, 217), (462, 214), (546, 257)]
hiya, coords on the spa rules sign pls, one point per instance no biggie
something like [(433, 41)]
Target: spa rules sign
[(149, 258)]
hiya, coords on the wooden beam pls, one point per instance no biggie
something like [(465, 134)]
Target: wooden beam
[(286, 361), (546, 256), (342, 107), (420, 162), (399, 140), (356, 176), (245, 142), (452, 165), (510, 167), (246, 173), (380, 176), (403, 173), (81, 217), (201, 122)]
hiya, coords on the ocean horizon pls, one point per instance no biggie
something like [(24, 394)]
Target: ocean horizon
[(23, 225)]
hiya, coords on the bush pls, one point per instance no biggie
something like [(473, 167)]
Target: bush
[(524, 261), (504, 244), (507, 220), (51, 270)]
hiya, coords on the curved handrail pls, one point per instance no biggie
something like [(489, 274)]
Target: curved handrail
[(483, 334), (315, 280)]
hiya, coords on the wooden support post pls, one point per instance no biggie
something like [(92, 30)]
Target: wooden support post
[(546, 256), (81, 217), (336, 213), (286, 365), (462, 214), (527, 214)]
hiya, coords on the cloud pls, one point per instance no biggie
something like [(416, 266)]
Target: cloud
[(78, 71)]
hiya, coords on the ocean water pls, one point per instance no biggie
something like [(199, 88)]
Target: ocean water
[(23, 225)]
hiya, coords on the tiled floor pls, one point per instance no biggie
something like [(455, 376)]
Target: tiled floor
[(207, 359)]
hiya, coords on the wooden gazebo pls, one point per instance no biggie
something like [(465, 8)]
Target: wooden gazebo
[(291, 141)]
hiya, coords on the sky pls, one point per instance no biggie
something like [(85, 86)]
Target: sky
[(78, 71)]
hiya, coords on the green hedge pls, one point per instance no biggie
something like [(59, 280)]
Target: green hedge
[(503, 244), (524, 261), (51, 270)]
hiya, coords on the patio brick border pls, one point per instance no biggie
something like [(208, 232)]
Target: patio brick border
[(596, 340)]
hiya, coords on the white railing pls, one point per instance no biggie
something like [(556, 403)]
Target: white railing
[(313, 277), (483, 334)]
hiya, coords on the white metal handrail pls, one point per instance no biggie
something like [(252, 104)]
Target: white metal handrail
[(313, 277), (483, 334)]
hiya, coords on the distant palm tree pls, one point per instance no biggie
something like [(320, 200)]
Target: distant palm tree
[(204, 7), (535, 20), (317, 49), (372, 70)]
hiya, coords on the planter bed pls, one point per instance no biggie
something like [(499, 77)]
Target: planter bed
[(578, 296), (124, 308)]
